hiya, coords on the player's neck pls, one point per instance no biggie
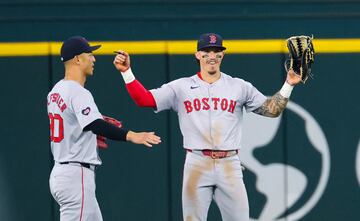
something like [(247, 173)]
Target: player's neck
[(210, 78), (75, 76)]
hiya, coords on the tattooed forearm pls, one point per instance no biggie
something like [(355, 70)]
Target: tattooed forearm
[(273, 106)]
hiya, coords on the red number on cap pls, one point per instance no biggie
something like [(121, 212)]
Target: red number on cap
[(56, 119)]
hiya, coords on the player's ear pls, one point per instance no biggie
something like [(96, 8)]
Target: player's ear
[(76, 59), (198, 55)]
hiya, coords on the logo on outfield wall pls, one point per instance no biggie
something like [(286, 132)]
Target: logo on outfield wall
[(284, 184), (357, 169)]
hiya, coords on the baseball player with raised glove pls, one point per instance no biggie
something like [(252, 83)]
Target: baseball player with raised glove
[(210, 106)]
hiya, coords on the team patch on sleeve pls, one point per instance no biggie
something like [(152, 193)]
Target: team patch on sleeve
[(86, 111)]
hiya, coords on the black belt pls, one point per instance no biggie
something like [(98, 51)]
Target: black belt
[(87, 165)]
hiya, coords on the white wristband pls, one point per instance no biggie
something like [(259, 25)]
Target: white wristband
[(286, 89), (128, 76)]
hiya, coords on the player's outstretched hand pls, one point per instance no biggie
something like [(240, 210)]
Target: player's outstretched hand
[(121, 60), (146, 138), (292, 78)]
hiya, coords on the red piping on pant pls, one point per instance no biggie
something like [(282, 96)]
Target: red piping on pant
[(82, 193)]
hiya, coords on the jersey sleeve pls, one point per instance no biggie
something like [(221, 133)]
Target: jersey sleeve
[(165, 97), (141, 96), (85, 108), (254, 98)]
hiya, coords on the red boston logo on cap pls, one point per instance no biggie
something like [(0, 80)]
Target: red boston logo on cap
[(212, 39)]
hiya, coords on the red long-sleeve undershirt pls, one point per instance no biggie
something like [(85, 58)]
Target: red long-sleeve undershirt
[(140, 94)]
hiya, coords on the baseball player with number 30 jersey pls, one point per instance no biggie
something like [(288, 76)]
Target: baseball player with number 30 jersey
[(210, 106), (74, 123)]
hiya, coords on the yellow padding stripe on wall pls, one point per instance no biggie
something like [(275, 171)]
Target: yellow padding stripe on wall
[(24, 49), (264, 46)]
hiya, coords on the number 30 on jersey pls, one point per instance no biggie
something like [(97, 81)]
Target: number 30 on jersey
[(56, 128)]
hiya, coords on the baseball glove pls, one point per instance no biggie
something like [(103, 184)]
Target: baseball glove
[(301, 56), (101, 140)]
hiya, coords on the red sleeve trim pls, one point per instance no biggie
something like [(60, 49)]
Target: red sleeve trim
[(140, 94)]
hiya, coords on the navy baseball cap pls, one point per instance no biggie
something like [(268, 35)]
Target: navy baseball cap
[(74, 46), (210, 40)]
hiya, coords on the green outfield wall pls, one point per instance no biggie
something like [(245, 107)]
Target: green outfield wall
[(304, 165)]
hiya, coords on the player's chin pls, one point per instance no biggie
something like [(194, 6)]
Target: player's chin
[(90, 73), (212, 70)]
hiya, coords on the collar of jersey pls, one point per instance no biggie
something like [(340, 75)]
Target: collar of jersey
[(204, 82)]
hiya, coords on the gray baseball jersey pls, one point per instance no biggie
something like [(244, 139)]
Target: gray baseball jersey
[(210, 115), (71, 108)]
